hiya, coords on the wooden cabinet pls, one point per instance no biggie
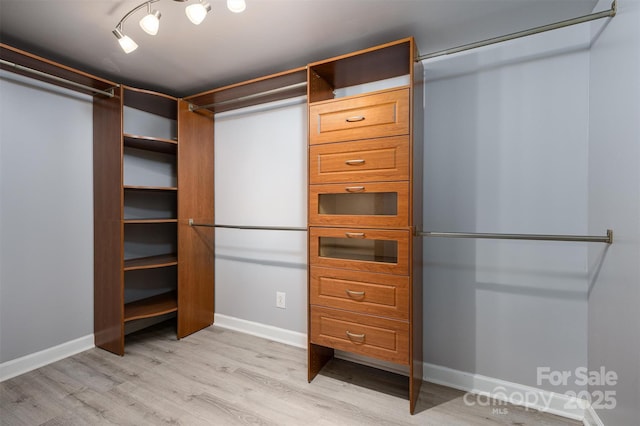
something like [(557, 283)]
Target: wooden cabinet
[(139, 216), (365, 284)]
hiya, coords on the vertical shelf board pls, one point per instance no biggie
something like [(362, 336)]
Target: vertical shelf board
[(195, 200), (108, 227)]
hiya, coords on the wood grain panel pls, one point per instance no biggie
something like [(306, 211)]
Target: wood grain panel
[(108, 228), (368, 293), (381, 114), (366, 335), (196, 201), (374, 160)]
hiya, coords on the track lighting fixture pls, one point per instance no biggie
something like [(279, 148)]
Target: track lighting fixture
[(150, 23), (127, 44), (236, 6), (197, 12)]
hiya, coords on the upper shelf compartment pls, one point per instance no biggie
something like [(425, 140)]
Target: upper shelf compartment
[(150, 117), (53, 72), (275, 87), (384, 62)]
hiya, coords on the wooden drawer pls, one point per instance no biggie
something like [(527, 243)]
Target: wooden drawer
[(376, 160), (360, 117), (380, 338), (364, 292), (372, 250), (365, 204)]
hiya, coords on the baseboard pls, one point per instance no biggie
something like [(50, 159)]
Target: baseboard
[(24, 364), (501, 390), (591, 417), (288, 337)]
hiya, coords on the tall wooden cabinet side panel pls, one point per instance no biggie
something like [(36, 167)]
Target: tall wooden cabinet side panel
[(108, 228), (417, 132), (195, 201)]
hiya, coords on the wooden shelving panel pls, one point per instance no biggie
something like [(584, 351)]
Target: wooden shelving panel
[(150, 262), (142, 221), (166, 146), (151, 307), (150, 188)]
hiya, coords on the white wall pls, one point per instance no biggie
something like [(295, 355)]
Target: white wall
[(261, 180), (46, 216), (506, 145), (614, 202)]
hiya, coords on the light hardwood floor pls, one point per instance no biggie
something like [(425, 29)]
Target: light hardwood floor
[(221, 377)]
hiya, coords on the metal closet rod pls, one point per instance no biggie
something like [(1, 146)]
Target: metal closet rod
[(262, 228), (539, 237), (248, 97), (108, 92), (610, 13)]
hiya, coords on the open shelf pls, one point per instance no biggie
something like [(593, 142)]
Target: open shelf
[(275, 87), (150, 262), (365, 66), (148, 143), (150, 188), (151, 307), (143, 221)]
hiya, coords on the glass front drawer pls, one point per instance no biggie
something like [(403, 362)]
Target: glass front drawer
[(371, 204), (372, 250)]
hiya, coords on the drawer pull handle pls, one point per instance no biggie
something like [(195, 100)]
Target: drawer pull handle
[(352, 293), (354, 234), (355, 119), (353, 336), (354, 188), (357, 162)]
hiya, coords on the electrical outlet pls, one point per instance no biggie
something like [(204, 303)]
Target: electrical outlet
[(281, 301)]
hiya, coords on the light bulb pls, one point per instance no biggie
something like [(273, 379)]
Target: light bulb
[(236, 6), (197, 12), (126, 43), (151, 22)]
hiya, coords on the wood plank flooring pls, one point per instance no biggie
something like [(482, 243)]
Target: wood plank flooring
[(221, 377)]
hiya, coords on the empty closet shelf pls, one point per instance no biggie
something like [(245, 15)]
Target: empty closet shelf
[(150, 262), (151, 307)]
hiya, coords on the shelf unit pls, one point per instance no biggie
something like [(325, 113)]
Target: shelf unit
[(141, 209), (365, 281)]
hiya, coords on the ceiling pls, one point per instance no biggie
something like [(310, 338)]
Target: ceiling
[(268, 37)]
